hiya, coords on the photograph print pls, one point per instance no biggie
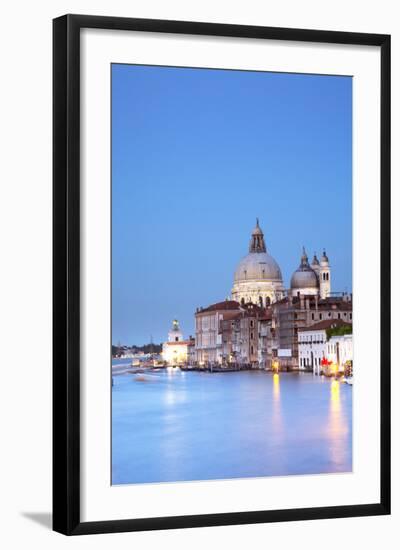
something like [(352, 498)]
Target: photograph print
[(232, 344)]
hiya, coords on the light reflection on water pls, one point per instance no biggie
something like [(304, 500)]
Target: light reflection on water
[(181, 426), (337, 427), (277, 424)]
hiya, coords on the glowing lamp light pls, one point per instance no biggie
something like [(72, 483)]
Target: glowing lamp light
[(174, 355)]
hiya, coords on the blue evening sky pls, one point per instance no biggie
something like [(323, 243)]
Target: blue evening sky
[(197, 155)]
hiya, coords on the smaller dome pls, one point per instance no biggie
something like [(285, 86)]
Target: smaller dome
[(304, 276), (315, 261), (304, 279)]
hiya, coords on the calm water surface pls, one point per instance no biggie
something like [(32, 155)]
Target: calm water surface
[(181, 426)]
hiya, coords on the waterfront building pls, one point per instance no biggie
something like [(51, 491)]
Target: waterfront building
[(318, 349), (191, 351), (176, 349), (227, 330), (227, 334), (209, 348), (267, 344), (258, 278), (294, 313), (245, 339), (248, 335), (340, 351)]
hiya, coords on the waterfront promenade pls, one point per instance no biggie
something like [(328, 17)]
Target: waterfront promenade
[(172, 425)]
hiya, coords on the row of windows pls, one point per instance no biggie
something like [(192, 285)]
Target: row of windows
[(206, 322), (306, 362), (206, 340), (308, 338), (262, 301), (338, 316)]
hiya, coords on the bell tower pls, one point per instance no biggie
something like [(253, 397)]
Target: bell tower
[(175, 334), (324, 276)]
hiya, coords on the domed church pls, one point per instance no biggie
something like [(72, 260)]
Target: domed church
[(258, 278)]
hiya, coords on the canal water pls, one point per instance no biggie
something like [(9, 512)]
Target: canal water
[(180, 426)]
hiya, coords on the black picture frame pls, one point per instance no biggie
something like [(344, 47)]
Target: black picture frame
[(66, 273)]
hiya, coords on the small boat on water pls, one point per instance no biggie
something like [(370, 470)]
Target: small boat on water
[(348, 380), (145, 378), (136, 371)]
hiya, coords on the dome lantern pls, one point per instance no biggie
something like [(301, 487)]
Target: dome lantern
[(257, 243)]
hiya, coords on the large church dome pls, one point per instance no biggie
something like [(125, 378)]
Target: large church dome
[(258, 278), (258, 266)]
